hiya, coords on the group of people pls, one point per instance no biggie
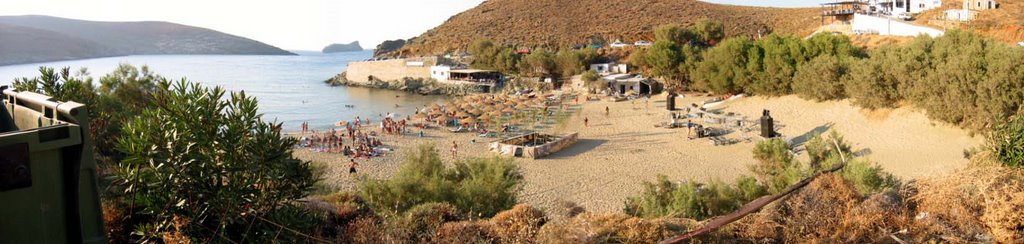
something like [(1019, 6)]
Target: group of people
[(351, 142), (393, 127)]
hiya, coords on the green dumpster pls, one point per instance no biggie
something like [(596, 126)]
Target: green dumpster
[(48, 189)]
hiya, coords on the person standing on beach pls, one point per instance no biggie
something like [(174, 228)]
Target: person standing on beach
[(586, 122), (455, 150), (352, 166), (605, 110)]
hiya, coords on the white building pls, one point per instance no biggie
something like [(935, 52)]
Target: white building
[(901, 7), (626, 83), (610, 68), (913, 6), (440, 72), (961, 14)]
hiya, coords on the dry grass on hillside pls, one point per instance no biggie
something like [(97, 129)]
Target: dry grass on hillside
[(1005, 24), (564, 23)]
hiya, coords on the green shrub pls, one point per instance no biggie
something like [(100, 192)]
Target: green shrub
[(867, 177), (775, 166), (213, 161), (868, 86), (820, 79), (691, 199), (772, 62), (1008, 142), (477, 187), (724, 69)]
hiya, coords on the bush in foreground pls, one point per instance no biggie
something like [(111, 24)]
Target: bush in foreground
[(476, 187), (212, 162)]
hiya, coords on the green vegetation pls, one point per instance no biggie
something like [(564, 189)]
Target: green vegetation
[(960, 78), (184, 162), (774, 171), (487, 55), (191, 155), (478, 187), (538, 63), (821, 79), (121, 95), (691, 199), (1008, 142)]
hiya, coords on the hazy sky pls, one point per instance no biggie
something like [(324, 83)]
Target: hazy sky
[(288, 24)]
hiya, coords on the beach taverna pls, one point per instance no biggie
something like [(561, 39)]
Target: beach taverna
[(623, 83), (533, 145)]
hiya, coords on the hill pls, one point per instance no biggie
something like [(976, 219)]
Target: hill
[(1005, 24), (337, 47), (565, 23), (44, 38), (30, 45)]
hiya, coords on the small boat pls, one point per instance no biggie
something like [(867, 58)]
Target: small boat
[(349, 106)]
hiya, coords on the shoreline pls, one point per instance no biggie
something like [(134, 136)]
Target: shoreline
[(424, 87)]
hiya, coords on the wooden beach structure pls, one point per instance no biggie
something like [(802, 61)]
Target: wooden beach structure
[(534, 145)]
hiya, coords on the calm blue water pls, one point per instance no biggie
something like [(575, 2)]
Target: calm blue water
[(289, 88)]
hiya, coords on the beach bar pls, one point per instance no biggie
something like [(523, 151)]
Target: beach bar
[(533, 145)]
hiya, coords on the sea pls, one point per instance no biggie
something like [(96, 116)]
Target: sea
[(290, 89)]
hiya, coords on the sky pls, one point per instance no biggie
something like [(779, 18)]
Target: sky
[(288, 24)]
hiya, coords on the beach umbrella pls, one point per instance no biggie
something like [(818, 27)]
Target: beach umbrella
[(476, 111), (462, 114), (522, 106), (436, 112), (508, 110), (466, 106), (420, 116), (469, 120), (435, 107), (444, 119)]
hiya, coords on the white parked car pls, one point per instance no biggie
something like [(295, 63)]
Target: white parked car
[(619, 44), (643, 43), (905, 16)]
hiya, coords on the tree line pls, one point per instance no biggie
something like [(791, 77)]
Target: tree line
[(960, 78)]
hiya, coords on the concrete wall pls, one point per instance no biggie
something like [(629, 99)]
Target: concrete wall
[(393, 69), (884, 26)]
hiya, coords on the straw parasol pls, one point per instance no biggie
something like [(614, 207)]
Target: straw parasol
[(444, 119), (420, 116), (508, 110), (435, 107), (522, 106), (436, 112), (476, 111), (469, 120), (462, 114)]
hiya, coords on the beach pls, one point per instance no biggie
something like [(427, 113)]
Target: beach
[(617, 152)]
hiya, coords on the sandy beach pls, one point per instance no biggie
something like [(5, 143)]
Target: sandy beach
[(617, 152)]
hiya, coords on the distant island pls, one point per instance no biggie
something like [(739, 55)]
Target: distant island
[(33, 38), (339, 48)]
